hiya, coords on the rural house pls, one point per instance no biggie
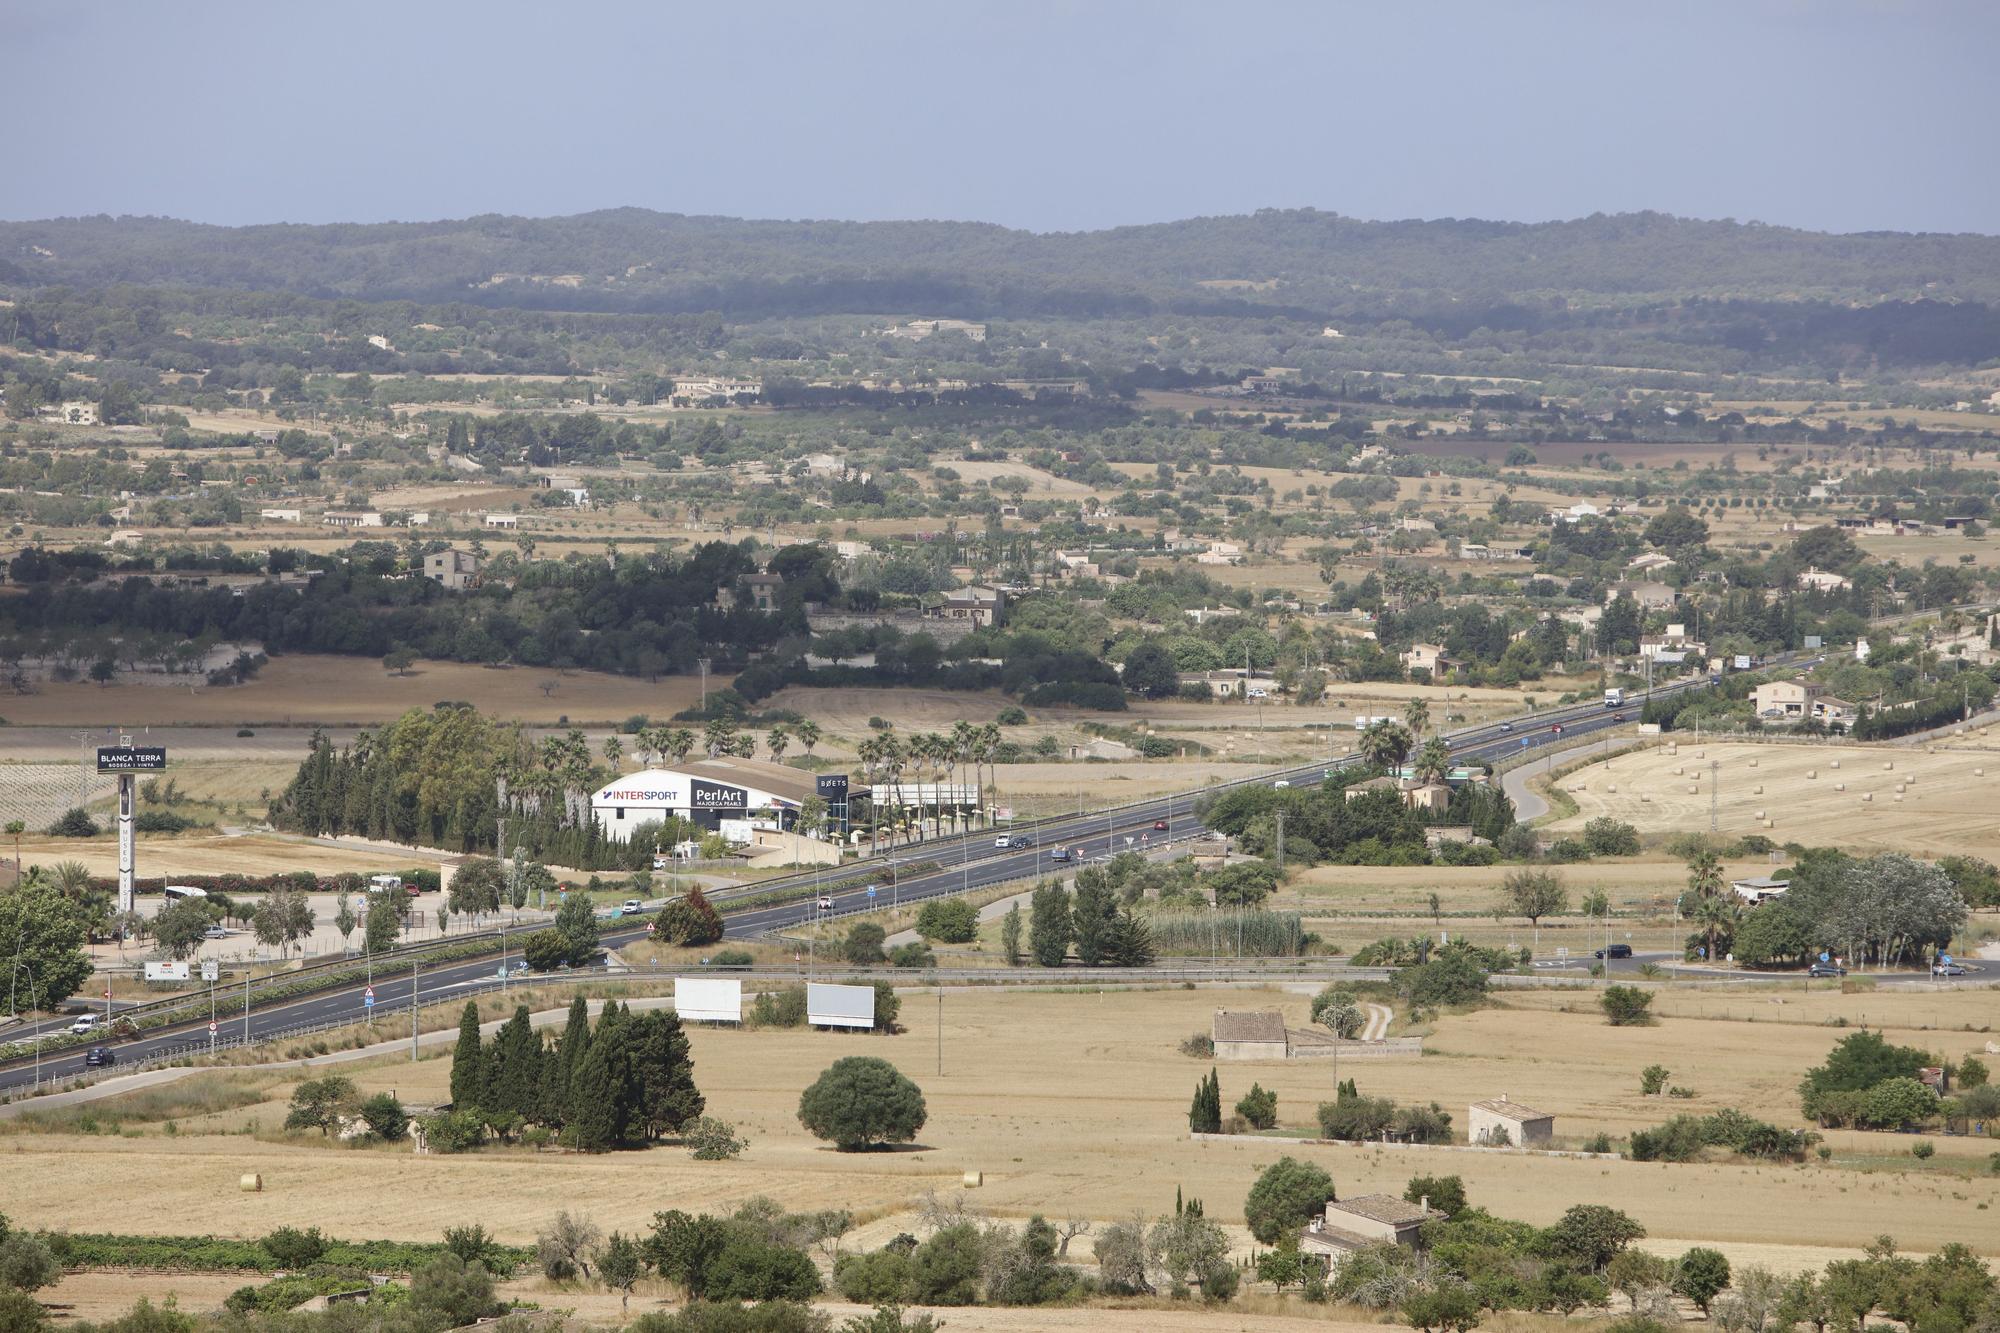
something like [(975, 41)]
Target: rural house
[(1258, 1034), (1350, 1225), (1501, 1122), (455, 569), (1785, 698)]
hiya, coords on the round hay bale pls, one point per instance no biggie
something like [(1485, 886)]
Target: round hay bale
[(1835, 764), (250, 1183), (1888, 764), (1770, 823), (1644, 799), (1840, 786), (1612, 788), (1758, 790), (1978, 772), (1760, 814), (1899, 796), (1867, 796), (1811, 774), (972, 1180), (1678, 770), (1701, 754), (1753, 763), (1694, 790)]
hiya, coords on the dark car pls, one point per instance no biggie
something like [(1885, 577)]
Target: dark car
[(1615, 951), (1617, 717), (1826, 970), (1159, 826), (99, 1056)]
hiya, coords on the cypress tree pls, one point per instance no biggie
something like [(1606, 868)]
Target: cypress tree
[(563, 1062), (468, 1062), (514, 1076), (1205, 1114), (668, 1098), (1049, 926), (1091, 914)]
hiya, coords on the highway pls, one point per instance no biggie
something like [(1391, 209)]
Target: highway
[(969, 863)]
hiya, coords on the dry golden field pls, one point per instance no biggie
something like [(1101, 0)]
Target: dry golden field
[(1945, 805), (1076, 1102), (308, 689)]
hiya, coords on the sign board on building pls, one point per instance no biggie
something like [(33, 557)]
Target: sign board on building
[(131, 758), (166, 971), (829, 1006), (709, 999), (1742, 661), (832, 788), (716, 796)]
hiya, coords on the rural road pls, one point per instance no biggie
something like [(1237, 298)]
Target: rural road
[(1378, 1022), (1530, 805)]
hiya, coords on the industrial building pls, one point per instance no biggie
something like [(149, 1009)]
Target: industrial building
[(726, 793)]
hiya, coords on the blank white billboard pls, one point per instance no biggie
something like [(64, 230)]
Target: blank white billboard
[(829, 1006), (709, 999)]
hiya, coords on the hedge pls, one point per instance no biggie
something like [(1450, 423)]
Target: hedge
[(213, 1254)]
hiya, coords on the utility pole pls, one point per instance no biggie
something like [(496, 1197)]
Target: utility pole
[(704, 684), (1281, 842), (413, 1011), (1714, 780)]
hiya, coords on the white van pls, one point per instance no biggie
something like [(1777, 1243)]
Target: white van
[(385, 884)]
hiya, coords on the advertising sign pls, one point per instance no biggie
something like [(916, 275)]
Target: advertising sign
[(709, 999), (831, 788), (131, 758), (829, 1006), (716, 796)]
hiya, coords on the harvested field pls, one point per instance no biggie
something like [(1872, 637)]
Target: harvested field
[(1103, 1067), (1943, 808), (305, 689)]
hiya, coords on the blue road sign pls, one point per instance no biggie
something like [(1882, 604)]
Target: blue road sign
[(1822, 955)]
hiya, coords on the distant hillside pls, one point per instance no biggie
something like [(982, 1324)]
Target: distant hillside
[(1302, 262)]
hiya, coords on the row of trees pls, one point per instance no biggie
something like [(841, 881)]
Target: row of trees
[(627, 1080)]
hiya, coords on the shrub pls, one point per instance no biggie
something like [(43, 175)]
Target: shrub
[(712, 1140), (1200, 1045), (915, 954), (1013, 715), (863, 945), (385, 1117), (732, 958), (1259, 1107), (1923, 1150), (293, 1248), (1287, 1195), (861, 1102), (689, 921), (1605, 836), (783, 1008), (882, 1277), (948, 920), (74, 823), (1450, 978), (1626, 1006), (1356, 1118), (1653, 1080)]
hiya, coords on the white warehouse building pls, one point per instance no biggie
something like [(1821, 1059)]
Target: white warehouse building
[(710, 791)]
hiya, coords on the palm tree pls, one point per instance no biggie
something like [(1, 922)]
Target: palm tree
[(1711, 911), (964, 740), (894, 760), (719, 736), (1384, 743), (869, 753), (1434, 760), (1417, 716), (989, 749), (614, 751), (808, 733), (777, 742), (679, 743)]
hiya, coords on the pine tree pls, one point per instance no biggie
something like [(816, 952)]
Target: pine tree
[(1126, 941), (1091, 914), (468, 1062)]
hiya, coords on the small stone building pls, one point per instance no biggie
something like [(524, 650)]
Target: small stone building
[(1258, 1034), (1355, 1224), (1524, 1126)]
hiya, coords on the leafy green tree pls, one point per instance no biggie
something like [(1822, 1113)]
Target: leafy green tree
[(1633, 1273), (513, 1068), (576, 922), (860, 1102), (1049, 927), (1591, 1235), (1287, 1195), (44, 932), (1700, 1275), (946, 1268), (319, 1103), (385, 1117), (863, 945), (689, 921), (1092, 907), (1259, 1107), (1448, 1306), (948, 920), (27, 1264), (1150, 672), (1444, 1193), (1899, 1103), (181, 927), (1535, 894), (663, 1075), (1010, 935), (450, 1293), (544, 950), (619, 1266)]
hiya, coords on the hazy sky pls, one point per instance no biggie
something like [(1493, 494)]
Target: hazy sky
[(1836, 114)]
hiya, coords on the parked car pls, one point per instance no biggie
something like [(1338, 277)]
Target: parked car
[(660, 863), (215, 933), (1826, 970), (633, 907), (1159, 826), (84, 1023), (1947, 970), (99, 1056), (1615, 951)]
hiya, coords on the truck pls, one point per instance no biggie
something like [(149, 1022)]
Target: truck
[(1613, 698)]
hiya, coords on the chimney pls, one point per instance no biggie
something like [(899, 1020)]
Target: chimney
[(1424, 1204)]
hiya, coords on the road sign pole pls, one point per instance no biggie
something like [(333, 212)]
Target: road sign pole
[(413, 1011)]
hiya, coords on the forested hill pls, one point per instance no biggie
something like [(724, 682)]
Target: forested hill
[(1298, 261)]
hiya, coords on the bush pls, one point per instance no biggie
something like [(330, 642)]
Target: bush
[(1923, 1150), (1653, 1080), (1356, 1118), (1200, 1045), (1013, 715), (74, 823), (1626, 1006), (915, 954), (385, 1117), (732, 958), (861, 1102), (688, 921), (880, 1278), (1605, 836), (783, 1008), (712, 1140), (948, 920), (1259, 1107), (1450, 978), (1701, 1275), (293, 1248), (1287, 1195), (863, 945)]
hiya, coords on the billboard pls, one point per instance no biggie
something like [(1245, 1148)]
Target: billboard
[(166, 971), (131, 758), (829, 1006), (709, 999), (831, 788), (716, 796)]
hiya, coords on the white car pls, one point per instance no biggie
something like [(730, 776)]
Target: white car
[(633, 907), (1281, 782), (84, 1023), (826, 904)]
